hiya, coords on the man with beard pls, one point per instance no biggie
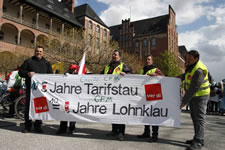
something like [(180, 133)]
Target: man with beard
[(197, 95)]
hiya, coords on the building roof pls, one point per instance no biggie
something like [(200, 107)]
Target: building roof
[(56, 8), (183, 51), (151, 26), (86, 10)]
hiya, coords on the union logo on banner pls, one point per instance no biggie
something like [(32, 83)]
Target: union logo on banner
[(153, 92), (40, 104)]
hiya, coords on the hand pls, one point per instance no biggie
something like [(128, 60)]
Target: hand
[(151, 74), (30, 74), (181, 105), (122, 73)]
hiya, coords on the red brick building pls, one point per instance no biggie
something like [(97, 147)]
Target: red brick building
[(149, 36)]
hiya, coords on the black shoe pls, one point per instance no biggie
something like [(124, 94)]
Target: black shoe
[(112, 134), (38, 130), (191, 141), (194, 146), (26, 130), (121, 137), (153, 139), (60, 131), (144, 135), (71, 131)]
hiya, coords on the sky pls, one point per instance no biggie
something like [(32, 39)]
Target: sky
[(200, 24)]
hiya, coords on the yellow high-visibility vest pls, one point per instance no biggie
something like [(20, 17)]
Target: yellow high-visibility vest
[(117, 70), (204, 89), (148, 72)]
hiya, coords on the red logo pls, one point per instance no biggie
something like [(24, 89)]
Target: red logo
[(40, 104), (67, 103), (189, 77), (118, 69), (44, 86), (153, 92)]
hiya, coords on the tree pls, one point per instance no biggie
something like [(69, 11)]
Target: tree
[(10, 61), (168, 64), (132, 61), (69, 48)]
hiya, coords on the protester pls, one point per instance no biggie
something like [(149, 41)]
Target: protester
[(73, 69), (35, 64), (151, 70), (117, 67), (197, 95), (213, 99)]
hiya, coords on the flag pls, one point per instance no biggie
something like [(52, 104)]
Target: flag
[(82, 65)]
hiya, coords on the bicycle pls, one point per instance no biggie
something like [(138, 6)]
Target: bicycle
[(7, 102), (20, 106)]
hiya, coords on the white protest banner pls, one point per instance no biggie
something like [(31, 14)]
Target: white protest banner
[(129, 99)]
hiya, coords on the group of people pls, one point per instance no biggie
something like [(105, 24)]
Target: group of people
[(216, 103), (197, 92)]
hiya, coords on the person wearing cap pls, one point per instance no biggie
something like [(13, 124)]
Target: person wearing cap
[(117, 67), (151, 70), (197, 95), (73, 69)]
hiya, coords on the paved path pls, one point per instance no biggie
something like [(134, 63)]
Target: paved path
[(91, 136)]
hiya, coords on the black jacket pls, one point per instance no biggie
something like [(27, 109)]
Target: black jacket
[(34, 65)]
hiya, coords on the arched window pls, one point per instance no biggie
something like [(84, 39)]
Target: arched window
[(98, 29), (90, 25), (105, 32)]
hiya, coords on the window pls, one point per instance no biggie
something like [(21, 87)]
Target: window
[(90, 25), (47, 26), (104, 45), (58, 30), (98, 29), (137, 44), (145, 43), (121, 38), (105, 32), (49, 6), (33, 21), (1, 35), (89, 39), (153, 41), (51, 1), (4, 9), (97, 43), (66, 9)]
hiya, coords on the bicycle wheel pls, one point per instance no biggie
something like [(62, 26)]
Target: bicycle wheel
[(5, 101), (20, 106)]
